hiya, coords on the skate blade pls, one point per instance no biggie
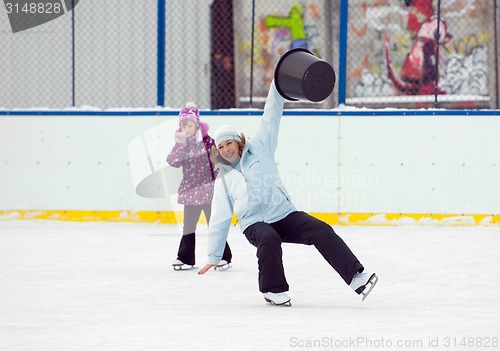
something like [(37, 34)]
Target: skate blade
[(369, 286), (223, 267), (183, 267), (271, 302)]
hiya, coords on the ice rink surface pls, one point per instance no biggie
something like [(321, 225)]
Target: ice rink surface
[(110, 286)]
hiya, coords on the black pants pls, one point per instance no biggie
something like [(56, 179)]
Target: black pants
[(186, 252), (297, 228)]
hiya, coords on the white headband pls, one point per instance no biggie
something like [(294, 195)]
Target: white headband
[(226, 132)]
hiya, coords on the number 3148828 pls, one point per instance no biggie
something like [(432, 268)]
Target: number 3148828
[(34, 8)]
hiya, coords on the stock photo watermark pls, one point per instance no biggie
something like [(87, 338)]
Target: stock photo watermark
[(311, 189), (330, 190), (26, 14), (429, 343)]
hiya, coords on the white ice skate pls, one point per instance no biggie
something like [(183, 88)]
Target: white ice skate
[(363, 283), (278, 299), (178, 265), (223, 265)]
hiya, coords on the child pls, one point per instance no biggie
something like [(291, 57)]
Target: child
[(249, 183), (191, 152)]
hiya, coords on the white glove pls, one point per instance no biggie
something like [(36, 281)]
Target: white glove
[(180, 137)]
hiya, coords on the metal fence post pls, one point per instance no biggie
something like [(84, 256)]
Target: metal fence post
[(73, 58), (160, 91), (344, 19), (251, 54), (437, 39)]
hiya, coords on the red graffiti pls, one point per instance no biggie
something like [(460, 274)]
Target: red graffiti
[(419, 72)]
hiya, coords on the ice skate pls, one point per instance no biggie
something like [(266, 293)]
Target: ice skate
[(178, 265), (363, 283), (278, 299), (223, 265)]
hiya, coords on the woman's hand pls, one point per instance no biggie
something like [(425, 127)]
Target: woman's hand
[(214, 154), (206, 268)]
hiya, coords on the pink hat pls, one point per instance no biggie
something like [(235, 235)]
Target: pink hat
[(190, 113)]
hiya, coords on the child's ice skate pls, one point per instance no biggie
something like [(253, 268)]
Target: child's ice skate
[(278, 299), (178, 265), (363, 283)]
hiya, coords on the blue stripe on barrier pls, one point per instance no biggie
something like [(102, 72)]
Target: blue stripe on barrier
[(244, 113)]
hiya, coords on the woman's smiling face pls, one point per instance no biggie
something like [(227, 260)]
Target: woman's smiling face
[(229, 150)]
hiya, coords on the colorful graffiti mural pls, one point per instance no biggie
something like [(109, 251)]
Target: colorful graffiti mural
[(406, 62), (391, 47), (297, 29), (419, 74), (292, 25)]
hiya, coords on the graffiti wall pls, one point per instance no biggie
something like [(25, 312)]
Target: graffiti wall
[(279, 26), (400, 53), (404, 50)]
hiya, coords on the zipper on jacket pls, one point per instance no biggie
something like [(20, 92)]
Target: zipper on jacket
[(286, 196)]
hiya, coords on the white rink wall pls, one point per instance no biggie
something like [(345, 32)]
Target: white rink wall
[(351, 167)]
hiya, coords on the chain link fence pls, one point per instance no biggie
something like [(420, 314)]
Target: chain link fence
[(35, 69), (422, 53), (100, 55), (222, 53), (270, 28), (115, 52)]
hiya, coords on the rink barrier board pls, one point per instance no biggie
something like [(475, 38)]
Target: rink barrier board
[(344, 219), (166, 216)]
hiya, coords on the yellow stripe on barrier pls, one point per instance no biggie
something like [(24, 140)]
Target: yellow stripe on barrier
[(171, 217), (165, 217)]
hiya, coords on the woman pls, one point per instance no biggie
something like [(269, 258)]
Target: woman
[(250, 185)]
